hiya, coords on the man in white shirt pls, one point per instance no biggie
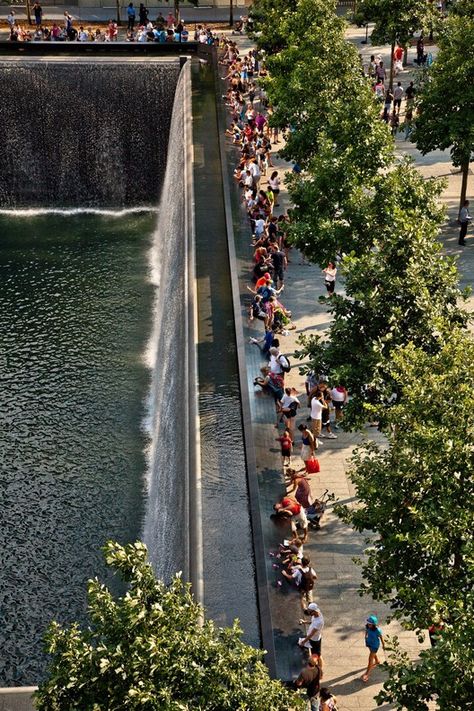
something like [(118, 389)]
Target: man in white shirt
[(464, 219), (316, 414), (11, 19), (314, 631), (397, 97), (255, 170), (288, 407)]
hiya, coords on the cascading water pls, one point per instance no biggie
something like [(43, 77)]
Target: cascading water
[(84, 133), (82, 288), (165, 530)]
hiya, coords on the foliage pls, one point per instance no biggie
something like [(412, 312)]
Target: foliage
[(395, 20), (446, 105), (416, 496), (399, 289), (444, 672), (148, 650), (270, 19), (322, 97)]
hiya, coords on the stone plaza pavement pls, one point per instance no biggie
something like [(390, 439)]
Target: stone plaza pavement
[(333, 548)]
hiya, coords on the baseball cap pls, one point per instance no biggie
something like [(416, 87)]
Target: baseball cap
[(312, 607)]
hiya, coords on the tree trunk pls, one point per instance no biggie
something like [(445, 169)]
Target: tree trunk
[(464, 172), (405, 55), (231, 13), (119, 22), (390, 84), (176, 11), (28, 12)]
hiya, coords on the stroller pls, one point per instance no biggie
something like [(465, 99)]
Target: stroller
[(315, 512)]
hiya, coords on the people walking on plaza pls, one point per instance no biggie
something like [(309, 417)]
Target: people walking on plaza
[(317, 406), (339, 397), (373, 640), (410, 94), (131, 15), (330, 273), (11, 19), (464, 220), (309, 679), (397, 97)]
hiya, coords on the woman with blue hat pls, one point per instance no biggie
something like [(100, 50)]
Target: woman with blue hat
[(373, 640)]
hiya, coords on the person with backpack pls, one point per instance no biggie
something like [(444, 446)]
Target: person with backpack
[(373, 640), (309, 679), (304, 577), (288, 407)]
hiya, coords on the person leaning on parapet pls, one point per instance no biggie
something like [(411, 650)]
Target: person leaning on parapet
[(314, 633)]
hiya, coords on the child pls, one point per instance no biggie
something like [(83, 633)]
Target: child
[(286, 446), (373, 639)]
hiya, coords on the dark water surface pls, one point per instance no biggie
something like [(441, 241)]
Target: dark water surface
[(75, 314)]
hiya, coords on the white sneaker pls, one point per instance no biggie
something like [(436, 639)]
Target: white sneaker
[(319, 443), (322, 435), (331, 435)]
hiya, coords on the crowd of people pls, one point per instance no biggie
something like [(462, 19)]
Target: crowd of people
[(250, 132), (391, 99), (140, 28)]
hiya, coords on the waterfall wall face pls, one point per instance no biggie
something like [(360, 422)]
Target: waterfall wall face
[(84, 133), (166, 521), (77, 321)]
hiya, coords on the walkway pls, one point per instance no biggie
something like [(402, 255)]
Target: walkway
[(333, 548)]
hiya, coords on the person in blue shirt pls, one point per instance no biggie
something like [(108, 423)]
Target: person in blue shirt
[(131, 14), (373, 640)]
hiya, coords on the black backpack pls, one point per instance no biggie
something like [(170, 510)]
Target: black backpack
[(307, 581), (284, 364)]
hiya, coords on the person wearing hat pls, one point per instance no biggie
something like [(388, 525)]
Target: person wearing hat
[(373, 639), (314, 631)]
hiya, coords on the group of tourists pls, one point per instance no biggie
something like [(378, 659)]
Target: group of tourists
[(140, 28), (391, 99), (251, 134)]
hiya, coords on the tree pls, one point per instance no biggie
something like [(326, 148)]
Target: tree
[(415, 497), (150, 650), (395, 20), (446, 104), (399, 289), (269, 19)]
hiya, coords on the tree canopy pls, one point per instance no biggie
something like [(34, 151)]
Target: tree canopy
[(446, 104), (151, 650)]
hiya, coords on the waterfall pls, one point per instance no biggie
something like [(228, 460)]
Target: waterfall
[(90, 133), (165, 528)]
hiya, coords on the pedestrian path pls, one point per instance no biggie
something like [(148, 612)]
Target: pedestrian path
[(332, 549)]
